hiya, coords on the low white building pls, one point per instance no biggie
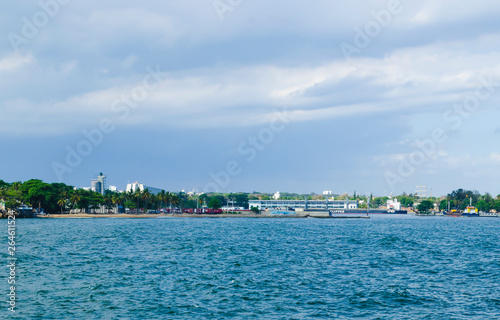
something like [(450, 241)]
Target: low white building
[(133, 187)]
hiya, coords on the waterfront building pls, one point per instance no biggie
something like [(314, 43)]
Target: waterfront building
[(277, 195), (302, 204), (99, 185), (132, 187)]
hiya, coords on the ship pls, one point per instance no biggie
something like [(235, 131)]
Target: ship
[(453, 213), (471, 211), (394, 207)]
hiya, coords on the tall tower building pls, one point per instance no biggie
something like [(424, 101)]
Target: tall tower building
[(99, 185)]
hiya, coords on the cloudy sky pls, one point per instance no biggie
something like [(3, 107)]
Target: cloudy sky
[(239, 95)]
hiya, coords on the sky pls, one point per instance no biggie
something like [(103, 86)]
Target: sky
[(240, 96)]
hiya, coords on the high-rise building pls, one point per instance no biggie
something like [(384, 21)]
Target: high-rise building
[(99, 185)]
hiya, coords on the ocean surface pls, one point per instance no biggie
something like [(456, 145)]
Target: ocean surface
[(386, 267)]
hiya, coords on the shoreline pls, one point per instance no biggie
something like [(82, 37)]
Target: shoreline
[(187, 215)]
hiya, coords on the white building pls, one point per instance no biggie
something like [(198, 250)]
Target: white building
[(113, 188), (133, 187), (327, 192), (276, 195), (302, 204)]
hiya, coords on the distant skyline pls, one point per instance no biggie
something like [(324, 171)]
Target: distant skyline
[(373, 96)]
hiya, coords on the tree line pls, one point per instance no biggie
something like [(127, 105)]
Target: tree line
[(62, 198), (460, 199)]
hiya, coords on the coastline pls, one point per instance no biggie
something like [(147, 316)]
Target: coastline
[(187, 215), (147, 216)]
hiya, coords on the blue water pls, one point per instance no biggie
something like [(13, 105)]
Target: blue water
[(387, 267)]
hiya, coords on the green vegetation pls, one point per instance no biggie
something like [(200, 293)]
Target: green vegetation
[(377, 202), (460, 199), (406, 201), (214, 203), (425, 206), (64, 199), (255, 210)]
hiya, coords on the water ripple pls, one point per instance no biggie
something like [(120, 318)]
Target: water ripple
[(382, 268)]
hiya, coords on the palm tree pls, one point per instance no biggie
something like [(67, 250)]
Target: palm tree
[(174, 199), (75, 198), (137, 195), (160, 196), (129, 196), (61, 203), (108, 201), (115, 199), (199, 202), (168, 198), (146, 195)]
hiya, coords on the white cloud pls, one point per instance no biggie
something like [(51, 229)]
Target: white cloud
[(425, 78), (456, 161), (494, 157), (15, 61)]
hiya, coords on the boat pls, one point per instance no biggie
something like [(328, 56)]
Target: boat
[(453, 213), (394, 207), (471, 212)]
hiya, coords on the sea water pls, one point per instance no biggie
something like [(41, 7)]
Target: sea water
[(386, 267)]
